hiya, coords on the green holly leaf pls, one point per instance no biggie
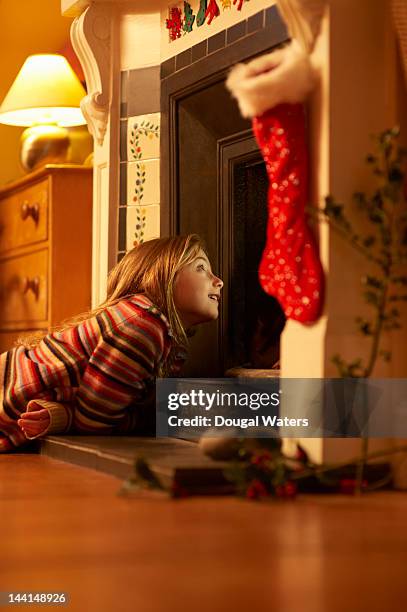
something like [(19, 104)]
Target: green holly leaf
[(397, 298), (360, 199), (145, 475), (369, 241), (364, 326), (373, 282), (371, 297)]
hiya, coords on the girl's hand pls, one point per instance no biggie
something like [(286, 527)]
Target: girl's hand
[(34, 423)]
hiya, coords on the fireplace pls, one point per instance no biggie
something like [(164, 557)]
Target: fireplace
[(214, 183)]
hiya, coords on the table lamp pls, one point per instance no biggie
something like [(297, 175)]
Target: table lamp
[(44, 97)]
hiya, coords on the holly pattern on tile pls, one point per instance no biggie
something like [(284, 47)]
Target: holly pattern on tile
[(140, 226), (146, 128), (140, 180), (226, 4)]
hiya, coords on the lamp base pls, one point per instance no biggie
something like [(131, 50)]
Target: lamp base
[(44, 144)]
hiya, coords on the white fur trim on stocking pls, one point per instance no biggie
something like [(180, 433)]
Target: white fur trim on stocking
[(283, 76)]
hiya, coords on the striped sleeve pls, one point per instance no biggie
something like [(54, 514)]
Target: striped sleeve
[(11, 437), (61, 415), (121, 366)]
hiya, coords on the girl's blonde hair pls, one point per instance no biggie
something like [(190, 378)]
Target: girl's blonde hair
[(148, 269)]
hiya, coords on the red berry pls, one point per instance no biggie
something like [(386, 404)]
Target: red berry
[(347, 486), (256, 489), (290, 489)]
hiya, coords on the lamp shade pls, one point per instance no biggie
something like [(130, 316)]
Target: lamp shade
[(46, 90)]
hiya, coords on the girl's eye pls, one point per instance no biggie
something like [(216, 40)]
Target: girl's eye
[(201, 267)]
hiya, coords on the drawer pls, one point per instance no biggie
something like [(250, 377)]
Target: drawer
[(23, 217), (23, 289)]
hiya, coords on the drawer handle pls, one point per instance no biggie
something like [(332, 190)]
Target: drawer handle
[(31, 284), (30, 210)]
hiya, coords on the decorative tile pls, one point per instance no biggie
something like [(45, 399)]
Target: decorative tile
[(168, 67), (123, 140), (255, 22), (143, 91), (272, 15), (183, 59), (143, 223), (199, 50), (143, 182), (276, 26), (124, 77), (216, 42), (123, 184), (236, 32), (122, 229), (143, 137)]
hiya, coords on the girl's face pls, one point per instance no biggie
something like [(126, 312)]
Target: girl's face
[(197, 292)]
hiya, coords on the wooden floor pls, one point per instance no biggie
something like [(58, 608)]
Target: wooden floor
[(63, 528)]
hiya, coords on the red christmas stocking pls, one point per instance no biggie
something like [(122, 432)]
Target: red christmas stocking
[(290, 268), (269, 89)]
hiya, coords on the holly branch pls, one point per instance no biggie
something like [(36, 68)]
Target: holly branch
[(384, 244)]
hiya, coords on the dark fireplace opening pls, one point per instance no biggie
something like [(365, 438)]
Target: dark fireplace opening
[(256, 319), (222, 195)]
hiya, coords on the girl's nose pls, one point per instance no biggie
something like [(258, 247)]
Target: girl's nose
[(217, 282)]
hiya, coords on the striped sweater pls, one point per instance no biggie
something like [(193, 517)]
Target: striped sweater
[(93, 378)]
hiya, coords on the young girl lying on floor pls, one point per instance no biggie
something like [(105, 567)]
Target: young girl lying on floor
[(93, 376)]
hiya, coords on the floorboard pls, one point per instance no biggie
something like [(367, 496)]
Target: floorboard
[(64, 528)]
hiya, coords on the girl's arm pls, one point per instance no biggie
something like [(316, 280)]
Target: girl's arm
[(44, 417), (118, 375)]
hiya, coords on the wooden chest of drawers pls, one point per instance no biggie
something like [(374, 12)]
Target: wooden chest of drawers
[(45, 250)]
